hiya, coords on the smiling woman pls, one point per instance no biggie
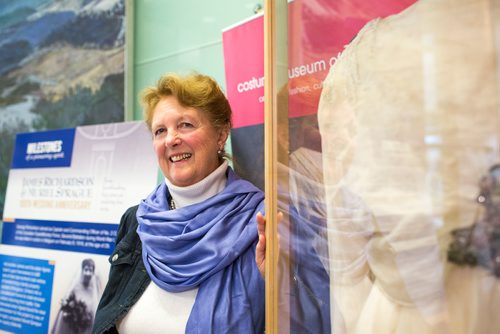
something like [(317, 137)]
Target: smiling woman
[(185, 142), (196, 231), (190, 121)]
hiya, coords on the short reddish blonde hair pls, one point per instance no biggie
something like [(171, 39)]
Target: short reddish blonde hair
[(192, 91)]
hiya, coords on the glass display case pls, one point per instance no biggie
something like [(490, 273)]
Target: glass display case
[(391, 187)]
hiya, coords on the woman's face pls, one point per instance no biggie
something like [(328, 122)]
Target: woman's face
[(185, 142), (87, 273)]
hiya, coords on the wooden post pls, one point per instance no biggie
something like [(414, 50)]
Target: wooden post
[(270, 144), (275, 79)]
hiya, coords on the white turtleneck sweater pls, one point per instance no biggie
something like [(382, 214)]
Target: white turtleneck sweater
[(160, 311)]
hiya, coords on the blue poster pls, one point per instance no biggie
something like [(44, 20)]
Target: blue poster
[(66, 192), (25, 294), (44, 149)]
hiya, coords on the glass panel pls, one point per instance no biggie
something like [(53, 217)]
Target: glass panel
[(279, 124), (394, 165)]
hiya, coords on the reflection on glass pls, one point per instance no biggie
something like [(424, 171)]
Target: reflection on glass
[(394, 167)]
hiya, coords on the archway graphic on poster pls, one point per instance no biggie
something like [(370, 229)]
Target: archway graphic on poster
[(66, 192)]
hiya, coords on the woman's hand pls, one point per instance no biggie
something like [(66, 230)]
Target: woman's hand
[(260, 251)]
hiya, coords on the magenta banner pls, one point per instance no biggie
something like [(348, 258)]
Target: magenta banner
[(317, 32), (244, 68)]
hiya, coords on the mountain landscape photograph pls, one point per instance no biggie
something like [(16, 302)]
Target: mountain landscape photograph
[(61, 66)]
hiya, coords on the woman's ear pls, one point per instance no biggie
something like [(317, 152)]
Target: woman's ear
[(223, 135)]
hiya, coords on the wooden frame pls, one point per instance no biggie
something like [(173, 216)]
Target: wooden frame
[(270, 144), (275, 80)]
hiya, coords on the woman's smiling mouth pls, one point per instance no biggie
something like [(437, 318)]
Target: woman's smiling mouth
[(183, 156)]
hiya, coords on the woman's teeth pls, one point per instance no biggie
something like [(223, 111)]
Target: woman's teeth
[(180, 157)]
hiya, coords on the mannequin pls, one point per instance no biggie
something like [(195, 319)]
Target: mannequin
[(410, 122)]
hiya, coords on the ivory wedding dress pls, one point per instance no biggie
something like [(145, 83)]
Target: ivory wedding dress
[(410, 122)]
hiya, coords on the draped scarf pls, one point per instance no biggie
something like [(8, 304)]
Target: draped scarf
[(209, 245)]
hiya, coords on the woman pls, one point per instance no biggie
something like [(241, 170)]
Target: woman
[(185, 257), (77, 309)]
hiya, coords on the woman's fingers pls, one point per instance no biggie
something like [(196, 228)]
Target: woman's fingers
[(260, 252)]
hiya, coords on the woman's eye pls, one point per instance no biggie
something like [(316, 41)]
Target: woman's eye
[(159, 131), (185, 125)]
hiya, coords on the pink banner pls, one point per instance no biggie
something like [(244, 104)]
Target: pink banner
[(317, 32), (244, 67)]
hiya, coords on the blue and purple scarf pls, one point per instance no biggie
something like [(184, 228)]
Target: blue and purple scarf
[(210, 245)]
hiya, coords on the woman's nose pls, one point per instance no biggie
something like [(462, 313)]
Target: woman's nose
[(172, 138)]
